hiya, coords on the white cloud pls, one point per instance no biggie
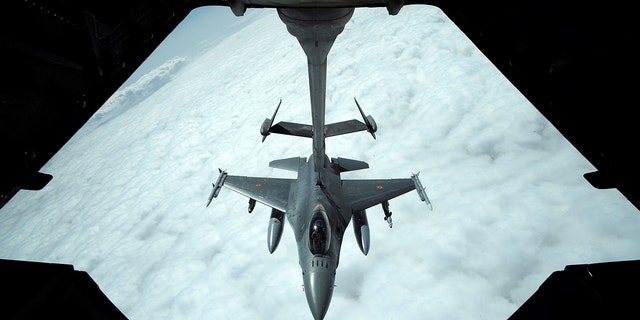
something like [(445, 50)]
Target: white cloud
[(134, 93)]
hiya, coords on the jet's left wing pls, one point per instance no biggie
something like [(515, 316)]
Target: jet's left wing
[(363, 194), (272, 192)]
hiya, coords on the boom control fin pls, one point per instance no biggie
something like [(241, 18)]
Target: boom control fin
[(372, 127), (267, 123), (330, 130)]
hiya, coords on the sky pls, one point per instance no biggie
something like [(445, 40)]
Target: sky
[(127, 202)]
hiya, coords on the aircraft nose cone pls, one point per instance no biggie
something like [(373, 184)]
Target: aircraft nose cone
[(318, 287)]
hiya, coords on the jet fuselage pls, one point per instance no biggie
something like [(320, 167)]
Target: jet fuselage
[(318, 219)]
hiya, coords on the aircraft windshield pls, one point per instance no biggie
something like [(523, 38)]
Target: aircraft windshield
[(319, 233)]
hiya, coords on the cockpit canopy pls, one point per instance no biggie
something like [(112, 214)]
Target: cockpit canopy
[(319, 233)]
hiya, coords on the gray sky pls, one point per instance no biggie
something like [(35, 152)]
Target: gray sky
[(201, 29)]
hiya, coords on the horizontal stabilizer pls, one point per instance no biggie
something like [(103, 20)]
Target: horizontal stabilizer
[(344, 164), (291, 164)]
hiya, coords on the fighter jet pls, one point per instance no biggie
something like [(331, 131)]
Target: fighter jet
[(318, 204)]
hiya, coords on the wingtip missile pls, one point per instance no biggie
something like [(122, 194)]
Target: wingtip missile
[(211, 194), (421, 190), (217, 186)]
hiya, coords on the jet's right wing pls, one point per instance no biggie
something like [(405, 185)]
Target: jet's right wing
[(273, 192), (363, 194)]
